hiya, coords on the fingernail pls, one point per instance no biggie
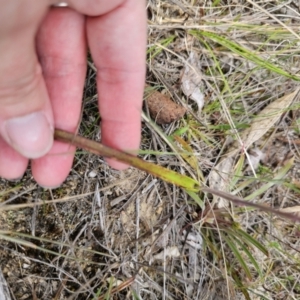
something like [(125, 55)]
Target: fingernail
[(30, 135)]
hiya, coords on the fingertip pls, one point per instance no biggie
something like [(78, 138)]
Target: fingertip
[(51, 170), (94, 8), (31, 135), (26, 119), (116, 164), (12, 164)]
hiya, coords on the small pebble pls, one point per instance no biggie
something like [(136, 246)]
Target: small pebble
[(92, 174)]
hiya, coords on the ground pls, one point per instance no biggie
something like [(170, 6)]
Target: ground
[(106, 234)]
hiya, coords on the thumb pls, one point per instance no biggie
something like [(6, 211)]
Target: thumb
[(26, 121)]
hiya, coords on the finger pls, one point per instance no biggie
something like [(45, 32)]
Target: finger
[(93, 7), (117, 42), (26, 121), (61, 48), (12, 164)]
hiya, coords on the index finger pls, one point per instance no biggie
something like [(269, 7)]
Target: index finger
[(117, 43)]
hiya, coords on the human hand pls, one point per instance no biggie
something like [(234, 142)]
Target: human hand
[(42, 72)]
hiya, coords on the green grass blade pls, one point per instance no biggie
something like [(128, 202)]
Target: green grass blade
[(238, 173), (195, 197), (237, 254), (108, 293), (134, 294), (8, 191), (236, 277), (246, 53), (248, 253), (156, 49), (242, 185), (277, 178), (251, 241), (210, 242)]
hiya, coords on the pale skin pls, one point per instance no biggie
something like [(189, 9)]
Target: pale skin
[(43, 54)]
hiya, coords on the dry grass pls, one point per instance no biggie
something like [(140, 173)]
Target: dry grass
[(132, 236)]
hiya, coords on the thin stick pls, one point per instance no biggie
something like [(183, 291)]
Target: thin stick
[(99, 149), (240, 202), (160, 172)]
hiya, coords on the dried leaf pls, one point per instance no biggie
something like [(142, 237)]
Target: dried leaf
[(193, 239), (292, 209), (169, 252), (191, 81), (162, 109), (189, 158), (267, 118), (220, 176)]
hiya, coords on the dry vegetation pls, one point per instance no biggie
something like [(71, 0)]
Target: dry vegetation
[(126, 235)]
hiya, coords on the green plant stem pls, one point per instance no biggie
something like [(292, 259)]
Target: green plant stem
[(156, 170), (167, 175)]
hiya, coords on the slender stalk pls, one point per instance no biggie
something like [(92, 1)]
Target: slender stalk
[(156, 170), (240, 202), (160, 172)]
